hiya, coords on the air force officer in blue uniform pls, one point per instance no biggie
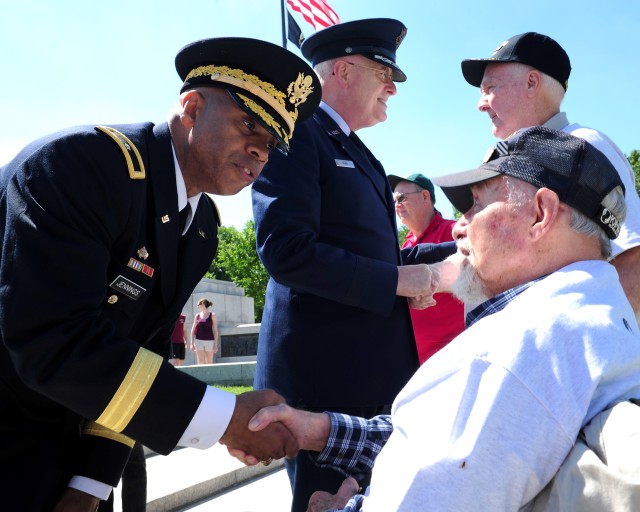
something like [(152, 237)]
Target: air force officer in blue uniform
[(336, 333)]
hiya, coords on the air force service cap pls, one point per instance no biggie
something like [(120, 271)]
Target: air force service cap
[(276, 87), (377, 39), (575, 170), (533, 49)]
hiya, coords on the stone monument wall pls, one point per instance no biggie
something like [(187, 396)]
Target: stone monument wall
[(236, 320)]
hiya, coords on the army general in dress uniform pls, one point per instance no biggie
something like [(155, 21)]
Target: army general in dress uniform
[(91, 231)]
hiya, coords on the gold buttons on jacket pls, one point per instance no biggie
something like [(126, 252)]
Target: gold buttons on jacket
[(113, 299)]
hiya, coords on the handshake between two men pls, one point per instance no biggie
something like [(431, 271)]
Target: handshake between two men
[(296, 430), (264, 428)]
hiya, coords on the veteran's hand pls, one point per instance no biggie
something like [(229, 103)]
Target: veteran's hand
[(73, 500), (322, 501), (273, 442), (448, 271), (417, 280)]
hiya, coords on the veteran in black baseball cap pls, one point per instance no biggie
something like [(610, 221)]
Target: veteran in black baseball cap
[(577, 172), (376, 39), (533, 49), (270, 83)]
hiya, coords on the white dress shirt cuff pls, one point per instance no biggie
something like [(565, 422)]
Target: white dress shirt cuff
[(90, 486), (210, 420)]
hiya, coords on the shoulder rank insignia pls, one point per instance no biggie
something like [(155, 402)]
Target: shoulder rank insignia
[(129, 150)]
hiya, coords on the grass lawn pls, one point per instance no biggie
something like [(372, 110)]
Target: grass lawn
[(236, 390)]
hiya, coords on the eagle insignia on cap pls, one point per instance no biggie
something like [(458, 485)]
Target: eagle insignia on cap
[(300, 89), (256, 75)]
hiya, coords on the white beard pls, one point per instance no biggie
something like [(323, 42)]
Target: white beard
[(468, 287)]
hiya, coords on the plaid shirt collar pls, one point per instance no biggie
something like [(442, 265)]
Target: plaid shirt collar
[(497, 303)]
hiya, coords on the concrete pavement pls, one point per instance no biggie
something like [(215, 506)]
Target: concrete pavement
[(201, 480), (268, 493)]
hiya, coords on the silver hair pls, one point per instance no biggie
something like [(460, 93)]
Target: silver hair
[(520, 192), (615, 203), (553, 91), (324, 69)]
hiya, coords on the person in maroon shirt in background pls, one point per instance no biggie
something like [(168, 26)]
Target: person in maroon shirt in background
[(414, 197), (179, 341)]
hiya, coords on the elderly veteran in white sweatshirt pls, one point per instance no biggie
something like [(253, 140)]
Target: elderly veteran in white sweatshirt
[(486, 423)]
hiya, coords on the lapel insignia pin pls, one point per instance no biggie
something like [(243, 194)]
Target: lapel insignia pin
[(201, 233), (164, 219), (142, 253)]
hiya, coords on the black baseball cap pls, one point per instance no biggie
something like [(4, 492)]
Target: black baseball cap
[(580, 174), (377, 39), (533, 49), (274, 86), (419, 179)]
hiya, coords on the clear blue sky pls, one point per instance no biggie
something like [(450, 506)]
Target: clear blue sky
[(75, 62)]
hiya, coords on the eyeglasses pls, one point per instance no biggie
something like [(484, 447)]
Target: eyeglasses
[(401, 197), (385, 75)]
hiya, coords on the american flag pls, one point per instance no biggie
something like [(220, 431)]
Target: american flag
[(316, 12)]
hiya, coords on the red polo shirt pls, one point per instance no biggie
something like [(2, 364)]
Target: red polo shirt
[(436, 326)]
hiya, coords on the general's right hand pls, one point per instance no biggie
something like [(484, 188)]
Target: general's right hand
[(274, 441), (310, 429)]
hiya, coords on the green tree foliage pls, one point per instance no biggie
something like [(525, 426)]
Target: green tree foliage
[(402, 234), (237, 261), (634, 160)]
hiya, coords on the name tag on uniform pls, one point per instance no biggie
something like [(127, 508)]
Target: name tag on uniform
[(129, 288), (345, 163)]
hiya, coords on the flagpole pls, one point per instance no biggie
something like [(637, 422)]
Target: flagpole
[(284, 32)]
